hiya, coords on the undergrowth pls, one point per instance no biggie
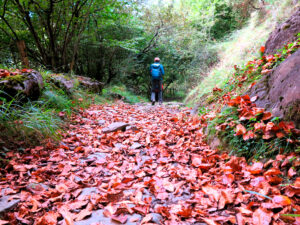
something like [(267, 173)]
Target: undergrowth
[(241, 46), (247, 130), (32, 122)]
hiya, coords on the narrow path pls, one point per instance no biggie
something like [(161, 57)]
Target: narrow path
[(155, 170)]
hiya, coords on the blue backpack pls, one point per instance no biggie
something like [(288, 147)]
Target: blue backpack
[(155, 71)]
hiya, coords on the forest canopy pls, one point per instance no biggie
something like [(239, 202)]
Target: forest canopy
[(114, 41)]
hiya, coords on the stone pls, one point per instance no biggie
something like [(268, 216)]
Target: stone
[(136, 145), (156, 218), (215, 143), (115, 127), (101, 122), (279, 90), (133, 128), (65, 83), (284, 33), (7, 202), (37, 187), (86, 192), (97, 156), (90, 84), (97, 216), (27, 85)]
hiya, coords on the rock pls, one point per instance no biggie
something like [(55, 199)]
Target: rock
[(115, 127), (215, 143), (119, 145), (136, 145), (279, 90), (63, 82), (133, 128), (284, 33), (97, 216), (156, 218), (25, 85), (86, 192), (36, 187), (97, 156), (90, 84), (101, 122), (7, 202)]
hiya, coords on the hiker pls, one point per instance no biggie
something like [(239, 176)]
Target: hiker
[(157, 72)]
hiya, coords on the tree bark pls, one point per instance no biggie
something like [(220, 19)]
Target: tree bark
[(23, 54)]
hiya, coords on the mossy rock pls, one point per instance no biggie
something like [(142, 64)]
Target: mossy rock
[(24, 86)]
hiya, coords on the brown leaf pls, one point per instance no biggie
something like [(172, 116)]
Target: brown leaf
[(240, 130), (267, 116), (262, 217), (256, 168), (281, 200), (50, 218), (292, 172), (84, 213), (120, 218)]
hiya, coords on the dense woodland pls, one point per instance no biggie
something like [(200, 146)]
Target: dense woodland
[(115, 41)]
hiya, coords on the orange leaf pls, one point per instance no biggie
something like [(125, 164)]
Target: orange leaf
[(262, 217), (186, 212), (262, 49), (280, 134), (50, 218), (267, 116), (272, 171), (256, 168), (291, 172), (282, 200), (240, 129)]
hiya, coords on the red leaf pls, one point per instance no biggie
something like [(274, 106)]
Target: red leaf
[(282, 200), (262, 49), (259, 126), (272, 171), (185, 212), (262, 217), (121, 218), (291, 172), (249, 135), (256, 168), (50, 218), (280, 134), (240, 129), (267, 116)]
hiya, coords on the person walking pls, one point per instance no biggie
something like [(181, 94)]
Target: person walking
[(157, 72)]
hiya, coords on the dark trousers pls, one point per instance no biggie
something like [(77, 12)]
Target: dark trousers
[(156, 89)]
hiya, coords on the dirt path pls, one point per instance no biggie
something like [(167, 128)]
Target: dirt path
[(156, 169)]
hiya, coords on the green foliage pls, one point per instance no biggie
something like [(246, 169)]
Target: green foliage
[(120, 92), (240, 47), (257, 148), (29, 122)]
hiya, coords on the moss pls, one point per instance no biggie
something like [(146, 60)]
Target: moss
[(15, 79)]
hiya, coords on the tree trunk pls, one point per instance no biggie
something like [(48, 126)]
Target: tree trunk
[(23, 54)]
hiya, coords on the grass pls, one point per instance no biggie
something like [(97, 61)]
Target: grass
[(33, 122), (241, 46), (121, 92), (257, 148)]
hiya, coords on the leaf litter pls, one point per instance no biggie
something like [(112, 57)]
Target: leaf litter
[(172, 173)]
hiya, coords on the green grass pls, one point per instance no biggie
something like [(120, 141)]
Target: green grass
[(257, 148), (35, 121), (115, 92)]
